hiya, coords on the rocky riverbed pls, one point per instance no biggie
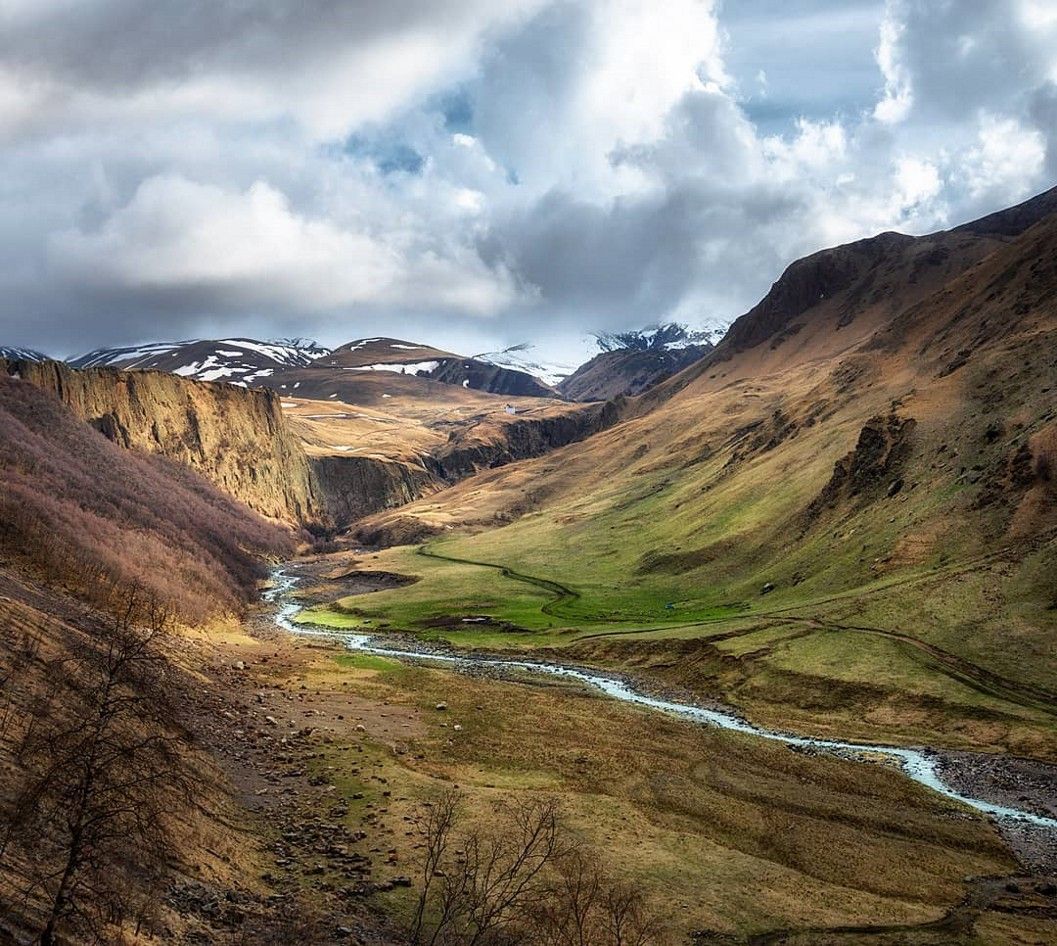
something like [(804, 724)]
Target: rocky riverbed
[(1020, 794)]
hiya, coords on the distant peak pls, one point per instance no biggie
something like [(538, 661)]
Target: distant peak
[(308, 345), (662, 336), (21, 354)]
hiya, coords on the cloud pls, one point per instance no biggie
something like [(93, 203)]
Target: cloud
[(898, 96), (485, 173), (1008, 156), (329, 65), (250, 250), (948, 60)]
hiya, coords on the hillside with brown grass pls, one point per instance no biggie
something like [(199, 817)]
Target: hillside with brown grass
[(235, 438), (91, 517), (117, 568), (379, 440), (869, 449)]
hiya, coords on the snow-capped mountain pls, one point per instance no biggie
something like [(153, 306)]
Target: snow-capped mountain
[(236, 360), (630, 362), (622, 362), (478, 372), (520, 358), (665, 336), (21, 354)]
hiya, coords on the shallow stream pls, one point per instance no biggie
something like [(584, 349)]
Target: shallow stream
[(921, 765)]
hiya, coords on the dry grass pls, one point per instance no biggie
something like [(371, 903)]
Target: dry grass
[(85, 512), (721, 832)]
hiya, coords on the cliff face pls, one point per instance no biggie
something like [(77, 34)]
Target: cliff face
[(468, 452), (240, 441), (353, 487), (234, 437)]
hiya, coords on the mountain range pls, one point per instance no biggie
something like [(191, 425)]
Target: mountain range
[(835, 525), (648, 355)]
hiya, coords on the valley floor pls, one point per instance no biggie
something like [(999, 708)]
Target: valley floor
[(731, 839)]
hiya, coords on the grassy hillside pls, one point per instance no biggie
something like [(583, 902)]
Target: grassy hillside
[(848, 510)]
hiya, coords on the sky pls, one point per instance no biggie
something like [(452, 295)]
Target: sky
[(477, 174)]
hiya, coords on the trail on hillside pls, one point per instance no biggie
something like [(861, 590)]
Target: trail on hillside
[(950, 665), (562, 593)]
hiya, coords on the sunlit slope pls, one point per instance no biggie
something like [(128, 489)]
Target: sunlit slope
[(894, 473)]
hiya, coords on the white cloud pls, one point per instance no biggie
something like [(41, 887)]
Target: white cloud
[(817, 147), (327, 66), (250, 249), (551, 165), (1038, 14), (916, 181), (896, 102), (1007, 160)]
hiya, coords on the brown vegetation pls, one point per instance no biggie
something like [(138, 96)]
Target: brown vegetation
[(524, 880), (97, 778), (236, 439), (92, 516)]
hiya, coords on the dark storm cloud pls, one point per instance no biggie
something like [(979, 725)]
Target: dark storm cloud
[(629, 258), (128, 44)]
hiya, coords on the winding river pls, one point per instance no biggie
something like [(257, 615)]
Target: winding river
[(921, 765)]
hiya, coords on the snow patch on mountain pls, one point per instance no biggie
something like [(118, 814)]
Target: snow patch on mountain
[(129, 357), (21, 354), (412, 367), (236, 360), (520, 358), (664, 336)]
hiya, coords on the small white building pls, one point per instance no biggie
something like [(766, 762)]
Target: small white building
[(510, 409)]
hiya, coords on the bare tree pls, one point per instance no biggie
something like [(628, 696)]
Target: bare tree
[(570, 916), (436, 822), (522, 880), (586, 908), (101, 771), (626, 919), (481, 893)]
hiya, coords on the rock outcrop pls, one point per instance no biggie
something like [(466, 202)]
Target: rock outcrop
[(352, 487), (873, 467), (235, 438), (466, 453)]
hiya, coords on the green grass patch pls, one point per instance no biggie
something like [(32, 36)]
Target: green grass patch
[(332, 617), (367, 662)]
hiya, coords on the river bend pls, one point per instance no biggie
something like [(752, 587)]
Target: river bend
[(921, 765)]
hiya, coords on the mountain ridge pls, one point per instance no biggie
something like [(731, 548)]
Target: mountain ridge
[(631, 362)]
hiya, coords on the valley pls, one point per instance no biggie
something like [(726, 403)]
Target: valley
[(543, 473), (819, 525), (795, 602), (668, 802)]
